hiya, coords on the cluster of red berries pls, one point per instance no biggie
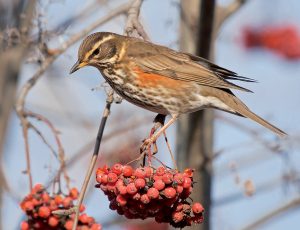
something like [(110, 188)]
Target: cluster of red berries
[(38, 206), (147, 192), (284, 40)]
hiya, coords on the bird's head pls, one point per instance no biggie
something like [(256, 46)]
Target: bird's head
[(98, 50)]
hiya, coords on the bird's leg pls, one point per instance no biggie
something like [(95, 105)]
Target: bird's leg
[(159, 121), (147, 143)]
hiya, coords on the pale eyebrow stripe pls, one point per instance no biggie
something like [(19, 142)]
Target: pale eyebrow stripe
[(122, 51), (105, 39)]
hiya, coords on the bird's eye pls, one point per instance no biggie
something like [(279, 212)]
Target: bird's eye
[(95, 52)]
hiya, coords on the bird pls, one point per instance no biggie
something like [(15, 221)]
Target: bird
[(163, 80)]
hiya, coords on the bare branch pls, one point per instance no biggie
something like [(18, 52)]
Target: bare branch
[(223, 13)]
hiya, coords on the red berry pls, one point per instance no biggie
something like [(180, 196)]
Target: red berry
[(104, 169), (167, 178), (53, 221), (197, 208), (198, 219), (103, 188), (83, 218), (68, 225), (131, 189), (179, 189), (104, 179), (154, 208), (127, 170), (67, 202), (28, 206), (136, 196), (96, 227), (91, 220), (99, 177), (128, 215), (170, 192), (122, 189), (53, 205), (159, 185), (188, 172), (120, 211), (117, 168), (179, 207), (119, 182), (82, 208), (38, 188), (38, 224), (149, 171), (170, 202), (178, 178), (152, 193), (74, 193), (36, 202), (187, 182), (177, 216), (45, 197), (111, 187), (112, 178), (121, 200), (24, 225), (160, 171), (113, 205), (156, 177), (139, 183), (58, 199), (140, 173), (186, 193), (44, 212), (145, 199)]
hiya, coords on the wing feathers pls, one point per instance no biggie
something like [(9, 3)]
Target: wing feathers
[(184, 67)]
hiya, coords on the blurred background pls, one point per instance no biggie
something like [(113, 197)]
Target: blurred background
[(250, 178)]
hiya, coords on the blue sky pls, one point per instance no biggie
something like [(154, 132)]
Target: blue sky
[(69, 102)]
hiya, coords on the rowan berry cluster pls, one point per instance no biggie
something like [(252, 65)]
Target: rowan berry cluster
[(284, 40), (146, 192), (38, 206)]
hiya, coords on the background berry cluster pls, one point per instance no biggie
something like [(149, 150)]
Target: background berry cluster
[(284, 40), (38, 206)]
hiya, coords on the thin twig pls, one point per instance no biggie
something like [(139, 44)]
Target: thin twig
[(133, 23), (292, 204), (223, 13), (40, 134), (93, 161), (27, 153), (61, 152)]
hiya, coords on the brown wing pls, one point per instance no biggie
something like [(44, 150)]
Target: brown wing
[(181, 66)]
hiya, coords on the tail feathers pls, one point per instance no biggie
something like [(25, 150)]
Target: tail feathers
[(242, 109)]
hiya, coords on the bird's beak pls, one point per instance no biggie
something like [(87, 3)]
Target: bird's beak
[(77, 66)]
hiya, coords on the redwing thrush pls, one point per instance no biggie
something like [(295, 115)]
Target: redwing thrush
[(163, 80)]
